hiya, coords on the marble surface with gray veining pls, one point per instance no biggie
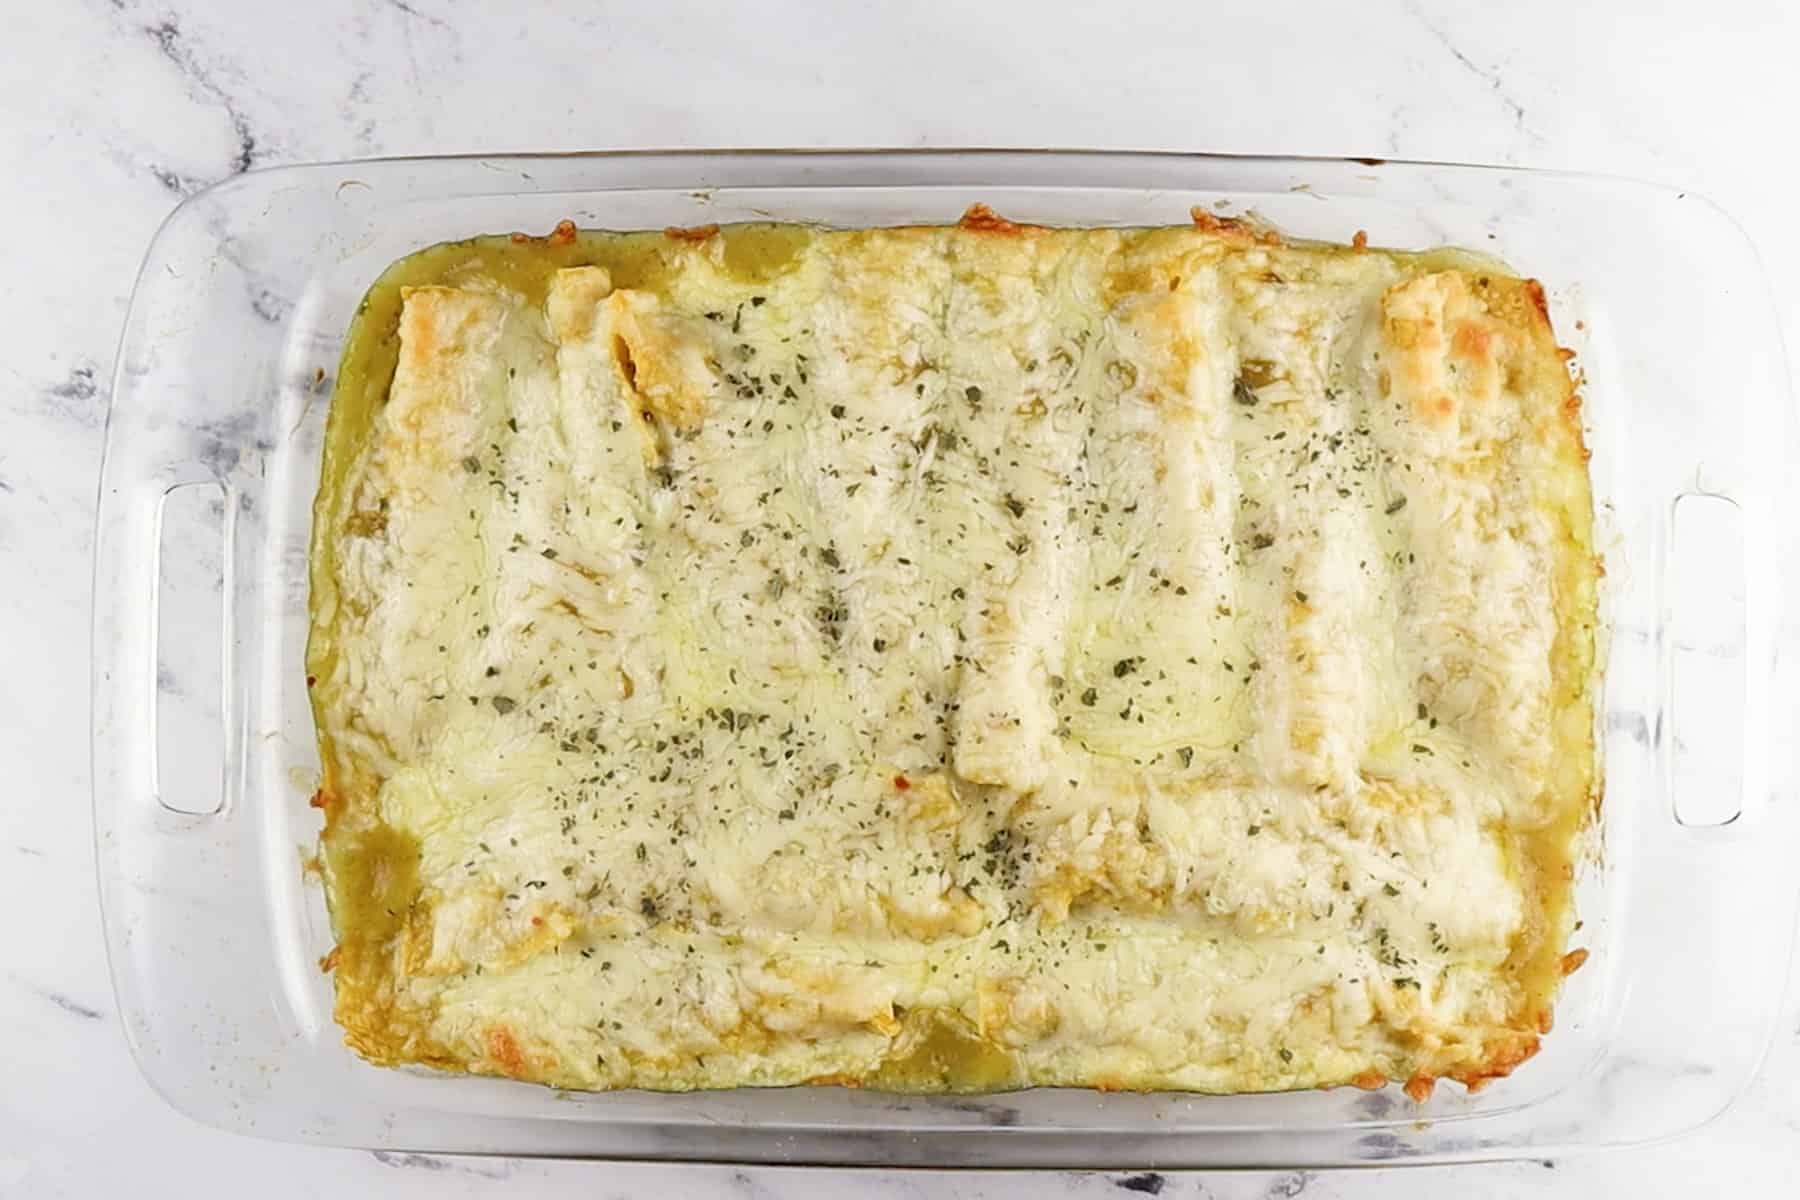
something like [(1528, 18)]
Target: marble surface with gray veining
[(112, 111)]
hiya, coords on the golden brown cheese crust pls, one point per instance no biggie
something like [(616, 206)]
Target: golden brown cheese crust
[(953, 658)]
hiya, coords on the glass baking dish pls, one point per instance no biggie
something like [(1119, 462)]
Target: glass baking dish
[(215, 925)]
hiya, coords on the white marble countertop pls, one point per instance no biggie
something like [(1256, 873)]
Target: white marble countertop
[(113, 110)]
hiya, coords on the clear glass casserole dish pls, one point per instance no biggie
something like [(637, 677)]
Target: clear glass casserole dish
[(204, 754)]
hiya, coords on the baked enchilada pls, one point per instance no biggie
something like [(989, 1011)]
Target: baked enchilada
[(952, 658)]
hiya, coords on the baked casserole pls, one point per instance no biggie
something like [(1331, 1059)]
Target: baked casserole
[(952, 658)]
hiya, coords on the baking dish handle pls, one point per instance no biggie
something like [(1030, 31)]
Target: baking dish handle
[(178, 631), (1708, 732), (1690, 911), (170, 854)]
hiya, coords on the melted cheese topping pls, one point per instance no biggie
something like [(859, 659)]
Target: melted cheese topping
[(958, 658)]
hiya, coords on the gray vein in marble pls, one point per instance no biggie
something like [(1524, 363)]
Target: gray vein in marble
[(1399, 122), (174, 182), (746, 1186), (1634, 725), (1386, 1146), (415, 14), (1287, 1186), (28, 851), (411, 16), (483, 1168), (268, 306), (176, 47), (67, 1003), (223, 444), (1487, 75), (353, 111), (79, 397), (990, 1112)]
